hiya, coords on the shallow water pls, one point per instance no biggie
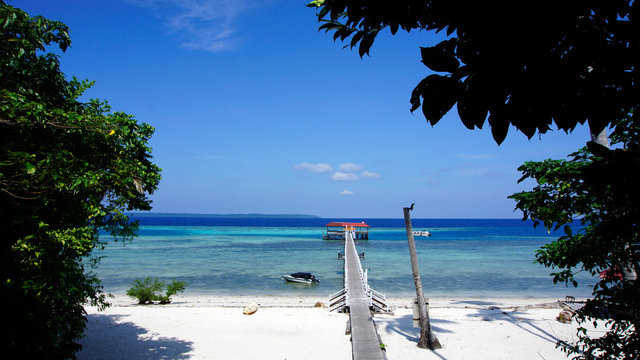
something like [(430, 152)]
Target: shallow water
[(247, 256)]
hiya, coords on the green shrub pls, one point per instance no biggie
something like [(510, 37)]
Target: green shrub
[(150, 290), (173, 288)]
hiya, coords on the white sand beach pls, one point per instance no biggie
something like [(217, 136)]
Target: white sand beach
[(289, 327)]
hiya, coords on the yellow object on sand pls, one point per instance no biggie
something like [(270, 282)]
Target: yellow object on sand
[(250, 309)]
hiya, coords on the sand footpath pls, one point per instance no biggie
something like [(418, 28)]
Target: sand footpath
[(290, 327)]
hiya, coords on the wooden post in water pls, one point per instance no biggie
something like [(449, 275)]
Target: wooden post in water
[(427, 339)]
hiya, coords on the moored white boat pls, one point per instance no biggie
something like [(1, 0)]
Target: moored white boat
[(424, 233), (302, 278)]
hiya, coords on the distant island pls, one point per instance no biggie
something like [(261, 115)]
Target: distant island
[(241, 216)]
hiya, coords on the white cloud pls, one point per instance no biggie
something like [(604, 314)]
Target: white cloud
[(208, 25), (316, 168), (346, 172), (346, 193), (350, 167), (369, 175), (343, 176)]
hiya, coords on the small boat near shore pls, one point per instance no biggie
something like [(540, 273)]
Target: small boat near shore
[(423, 233), (301, 277)]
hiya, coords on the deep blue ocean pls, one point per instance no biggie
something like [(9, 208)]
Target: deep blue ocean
[(247, 256)]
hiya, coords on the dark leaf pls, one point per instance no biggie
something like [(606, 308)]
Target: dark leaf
[(323, 12), (441, 57), (450, 30), (499, 126), (394, 28), (415, 95), (471, 111), (567, 230), (365, 43), (597, 149), (357, 37), (439, 94), (330, 25)]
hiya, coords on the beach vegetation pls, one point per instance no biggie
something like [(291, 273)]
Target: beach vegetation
[(150, 289), (69, 169), (543, 65), (175, 287), (598, 187)]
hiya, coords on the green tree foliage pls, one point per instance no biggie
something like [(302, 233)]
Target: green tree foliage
[(68, 169), (601, 187), (150, 289), (175, 287), (526, 64)]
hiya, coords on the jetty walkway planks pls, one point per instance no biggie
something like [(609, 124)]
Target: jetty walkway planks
[(364, 336)]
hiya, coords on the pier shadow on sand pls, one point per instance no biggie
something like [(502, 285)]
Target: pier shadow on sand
[(108, 339)]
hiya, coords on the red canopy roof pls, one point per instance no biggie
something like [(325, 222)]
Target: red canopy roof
[(343, 224)]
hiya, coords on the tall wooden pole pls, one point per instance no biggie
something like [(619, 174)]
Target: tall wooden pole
[(427, 339)]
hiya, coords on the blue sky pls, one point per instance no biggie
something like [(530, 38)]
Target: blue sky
[(257, 112)]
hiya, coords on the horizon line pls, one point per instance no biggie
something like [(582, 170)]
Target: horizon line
[(151, 213)]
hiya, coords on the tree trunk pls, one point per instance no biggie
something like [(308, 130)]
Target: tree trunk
[(427, 339)]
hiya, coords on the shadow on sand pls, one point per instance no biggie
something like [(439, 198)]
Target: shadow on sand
[(518, 319), (474, 302), (108, 338), (403, 326)]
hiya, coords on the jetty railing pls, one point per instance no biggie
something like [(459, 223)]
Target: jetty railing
[(339, 301)]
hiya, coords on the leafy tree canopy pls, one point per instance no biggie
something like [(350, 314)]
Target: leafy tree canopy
[(600, 186), (529, 65), (68, 169)]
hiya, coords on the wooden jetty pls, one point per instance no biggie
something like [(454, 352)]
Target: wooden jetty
[(336, 230), (360, 301)]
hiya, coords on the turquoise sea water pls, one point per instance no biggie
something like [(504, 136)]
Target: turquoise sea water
[(247, 257)]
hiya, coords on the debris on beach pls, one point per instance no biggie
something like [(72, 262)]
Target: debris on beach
[(250, 309), (565, 316)]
